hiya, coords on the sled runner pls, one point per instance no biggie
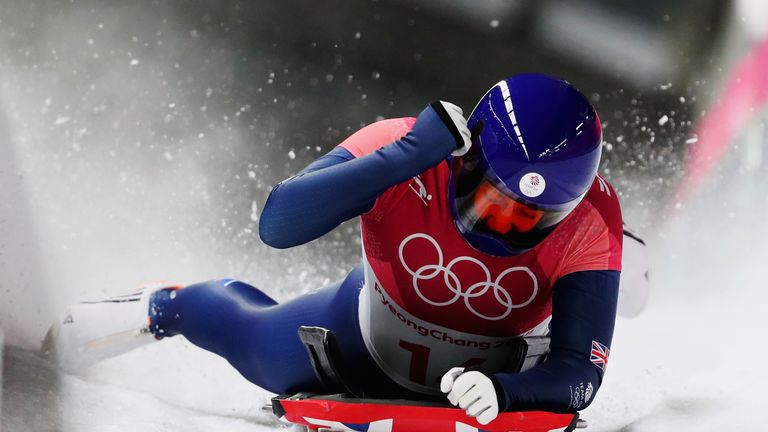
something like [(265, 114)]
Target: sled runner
[(345, 413)]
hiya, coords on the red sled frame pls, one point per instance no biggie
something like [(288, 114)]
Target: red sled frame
[(345, 413)]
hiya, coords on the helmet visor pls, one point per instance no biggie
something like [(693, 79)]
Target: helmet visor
[(499, 213), (486, 208)]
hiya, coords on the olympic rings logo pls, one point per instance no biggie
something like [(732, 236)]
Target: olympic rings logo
[(454, 285)]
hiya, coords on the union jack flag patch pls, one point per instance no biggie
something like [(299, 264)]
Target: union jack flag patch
[(599, 355)]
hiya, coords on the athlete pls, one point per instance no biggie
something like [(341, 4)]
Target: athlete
[(475, 233)]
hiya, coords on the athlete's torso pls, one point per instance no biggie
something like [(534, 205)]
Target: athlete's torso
[(431, 301)]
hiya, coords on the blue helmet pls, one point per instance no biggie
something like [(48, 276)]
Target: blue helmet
[(535, 151)]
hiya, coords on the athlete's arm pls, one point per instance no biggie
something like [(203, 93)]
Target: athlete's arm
[(583, 312), (338, 186)]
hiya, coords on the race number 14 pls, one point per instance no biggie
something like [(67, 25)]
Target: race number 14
[(420, 360)]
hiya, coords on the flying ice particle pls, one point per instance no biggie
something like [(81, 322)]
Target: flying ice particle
[(494, 23), (663, 120), (254, 211), (292, 154), (134, 62)]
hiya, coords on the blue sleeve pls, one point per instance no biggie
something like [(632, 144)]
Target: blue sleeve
[(583, 313), (338, 187)]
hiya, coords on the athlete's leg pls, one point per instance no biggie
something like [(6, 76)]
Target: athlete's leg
[(255, 334)]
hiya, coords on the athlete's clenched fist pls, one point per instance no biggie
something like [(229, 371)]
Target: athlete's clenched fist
[(473, 392)]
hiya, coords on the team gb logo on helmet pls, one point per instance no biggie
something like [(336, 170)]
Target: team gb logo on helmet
[(452, 289), (532, 184)]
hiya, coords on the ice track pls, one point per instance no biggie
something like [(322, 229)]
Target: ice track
[(165, 387)]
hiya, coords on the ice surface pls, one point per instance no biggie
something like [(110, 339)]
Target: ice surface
[(691, 365), (164, 387)]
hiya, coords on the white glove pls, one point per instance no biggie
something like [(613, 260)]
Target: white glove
[(472, 392), (457, 116)]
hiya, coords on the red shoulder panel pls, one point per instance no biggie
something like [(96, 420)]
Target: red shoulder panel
[(596, 230), (377, 135)]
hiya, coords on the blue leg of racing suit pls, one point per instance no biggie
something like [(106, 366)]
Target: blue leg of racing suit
[(257, 335)]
